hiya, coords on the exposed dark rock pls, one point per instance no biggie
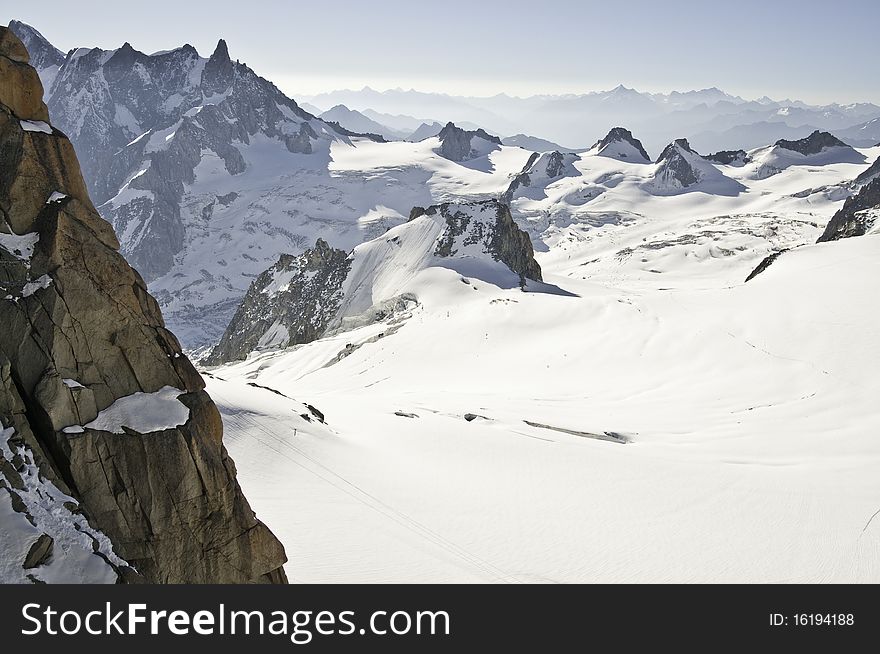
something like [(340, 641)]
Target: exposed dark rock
[(622, 135), (455, 142), (855, 218), (812, 144), (674, 169), (298, 296), (75, 310), (872, 172), (730, 157), (549, 165), (765, 263), (39, 552), (502, 239)]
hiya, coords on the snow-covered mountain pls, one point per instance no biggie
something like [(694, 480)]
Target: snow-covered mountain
[(357, 122), (819, 148), (620, 144), (322, 291), (457, 144), (713, 120), (641, 392)]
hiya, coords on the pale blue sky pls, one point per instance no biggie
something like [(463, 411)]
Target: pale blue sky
[(818, 51)]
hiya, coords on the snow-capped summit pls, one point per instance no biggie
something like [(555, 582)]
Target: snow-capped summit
[(540, 170), (680, 167), (620, 144), (812, 144), (457, 144), (149, 125), (817, 149), (324, 290)]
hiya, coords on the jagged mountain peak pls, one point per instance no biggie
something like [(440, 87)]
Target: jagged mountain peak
[(456, 144), (620, 143), (221, 51)]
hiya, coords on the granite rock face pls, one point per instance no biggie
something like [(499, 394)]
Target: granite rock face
[(79, 333), (292, 302), (860, 213)]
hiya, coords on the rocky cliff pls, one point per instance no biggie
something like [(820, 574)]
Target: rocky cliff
[(676, 166), (860, 213), (292, 302), (456, 144), (97, 397), (872, 172)]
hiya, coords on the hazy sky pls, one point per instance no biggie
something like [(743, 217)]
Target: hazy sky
[(814, 50)]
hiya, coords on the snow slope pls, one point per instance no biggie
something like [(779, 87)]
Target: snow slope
[(751, 425), (472, 444)]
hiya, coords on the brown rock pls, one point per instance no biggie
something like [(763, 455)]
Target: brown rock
[(20, 87), (39, 553), (169, 501)]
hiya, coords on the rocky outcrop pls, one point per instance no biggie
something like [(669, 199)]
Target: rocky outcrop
[(325, 290), (488, 225), (456, 143), (540, 169), (766, 262), (675, 167), (872, 172), (619, 143), (85, 360), (860, 213), (292, 302), (730, 158), (812, 144)]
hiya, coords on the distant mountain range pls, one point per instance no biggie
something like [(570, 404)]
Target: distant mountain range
[(714, 120)]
